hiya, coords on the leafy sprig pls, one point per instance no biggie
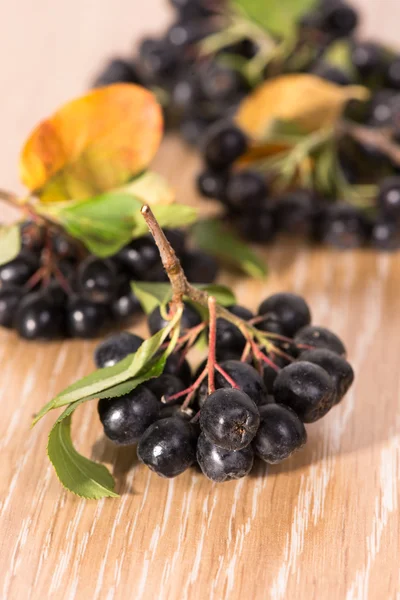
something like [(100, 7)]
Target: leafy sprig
[(89, 479)]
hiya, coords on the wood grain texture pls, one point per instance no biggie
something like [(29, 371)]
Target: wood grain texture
[(324, 525)]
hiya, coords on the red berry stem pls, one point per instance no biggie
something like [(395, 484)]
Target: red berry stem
[(227, 377), (212, 343)]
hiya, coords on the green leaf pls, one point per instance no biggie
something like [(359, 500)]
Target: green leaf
[(103, 379), (339, 55), (279, 17), (171, 215), (10, 242), (284, 131), (104, 223), (151, 295), (221, 293), (325, 171), (77, 473), (212, 238)]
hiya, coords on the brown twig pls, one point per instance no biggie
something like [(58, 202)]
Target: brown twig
[(180, 285), (377, 138)]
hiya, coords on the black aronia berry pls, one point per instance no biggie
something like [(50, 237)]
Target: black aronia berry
[(223, 413)]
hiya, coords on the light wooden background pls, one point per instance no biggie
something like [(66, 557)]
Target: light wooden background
[(323, 526)]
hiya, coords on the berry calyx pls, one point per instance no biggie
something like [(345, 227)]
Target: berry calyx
[(229, 419)]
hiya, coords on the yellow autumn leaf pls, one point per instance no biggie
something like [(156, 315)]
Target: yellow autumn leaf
[(92, 144), (306, 100)]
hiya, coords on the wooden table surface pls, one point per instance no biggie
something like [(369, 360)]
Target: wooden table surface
[(323, 525)]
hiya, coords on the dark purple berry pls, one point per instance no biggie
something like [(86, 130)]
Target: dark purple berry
[(168, 447), (229, 419), (125, 419), (333, 74), (367, 58), (288, 309), (179, 367), (157, 59), (319, 337), (221, 465), (389, 197), (177, 239), (38, 318), (257, 227), (200, 267), (306, 388), (336, 366), (338, 19), (138, 257), (10, 298), (343, 226), (223, 146), (125, 304), (281, 433), (295, 211), (117, 70), (165, 385), (247, 379), (385, 235), (19, 270), (115, 348), (246, 190), (97, 280), (86, 319), (393, 74), (212, 184), (219, 83)]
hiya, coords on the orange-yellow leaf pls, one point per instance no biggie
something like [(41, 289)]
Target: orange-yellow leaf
[(258, 152), (306, 100), (92, 144)]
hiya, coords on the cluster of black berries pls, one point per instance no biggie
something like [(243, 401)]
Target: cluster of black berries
[(259, 404), (197, 90), (259, 214), (53, 289)]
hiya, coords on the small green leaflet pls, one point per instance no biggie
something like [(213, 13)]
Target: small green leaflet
[(339, 55), (279, 17), (151, 295), (106, 223), (10, 242), (211, 237), (221, 293), (77, 473), (103, 379), (171, 215), (103, 223)]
